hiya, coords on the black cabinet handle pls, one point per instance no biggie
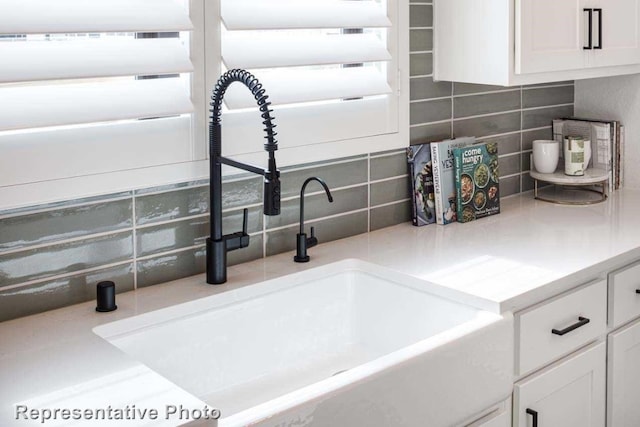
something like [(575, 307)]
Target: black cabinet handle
[(637, 291), (590, 11), (533, 414), (581, 322), (599, 28)]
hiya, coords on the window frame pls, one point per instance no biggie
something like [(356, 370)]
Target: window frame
[(205, 47)]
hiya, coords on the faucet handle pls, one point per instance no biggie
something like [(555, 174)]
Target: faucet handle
[(313, 240), (245, 220)]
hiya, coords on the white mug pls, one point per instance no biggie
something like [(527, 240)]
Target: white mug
[(546, 154)]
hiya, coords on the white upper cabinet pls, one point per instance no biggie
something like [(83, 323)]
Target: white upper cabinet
[(549, 35), (514, 42), (615, 34)]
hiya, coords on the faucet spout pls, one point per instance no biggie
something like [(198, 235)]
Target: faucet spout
[(219, 244)]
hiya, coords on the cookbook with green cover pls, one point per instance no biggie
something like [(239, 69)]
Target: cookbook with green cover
[(477, 181)]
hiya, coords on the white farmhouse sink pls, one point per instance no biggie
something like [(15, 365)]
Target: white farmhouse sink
[(346, 344)]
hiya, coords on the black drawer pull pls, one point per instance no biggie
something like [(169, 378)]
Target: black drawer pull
[(599, 28), (590, 28), (581, 322), (534, 414), (637, 291)]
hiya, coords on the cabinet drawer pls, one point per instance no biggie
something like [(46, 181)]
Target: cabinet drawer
[(555, 328), (569, 393), (624, 299)]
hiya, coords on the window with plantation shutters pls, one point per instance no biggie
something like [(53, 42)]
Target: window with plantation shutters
[(92, 86), (330, 68), (102, 96)]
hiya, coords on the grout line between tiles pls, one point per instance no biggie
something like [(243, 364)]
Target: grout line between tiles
[(395, 202), (549, 86), (312, 221), (329, 163), (62, 207), (419, 76), (391, 178), (431, 123), (521, 125), (174, 251), (380, 156), (510, 175), (369, 194), (440, 98), (135, 244), (490, 92), (547, 106), (321, 191)]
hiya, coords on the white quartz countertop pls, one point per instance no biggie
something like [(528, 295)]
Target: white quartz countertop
[(531, 251)]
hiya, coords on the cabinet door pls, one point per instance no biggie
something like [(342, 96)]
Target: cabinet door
[(619, 42), (569, 393), (550, 35), (623, 387)]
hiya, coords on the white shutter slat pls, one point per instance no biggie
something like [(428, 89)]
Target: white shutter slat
[(92, 149), (275, 50), (290, 87), (28, 107), (283, 14), (82, 16), (33, 61)]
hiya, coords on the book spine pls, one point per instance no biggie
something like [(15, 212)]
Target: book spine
[(414, 194), (623, 138), (617, 155), (457, 172), (437, 184)]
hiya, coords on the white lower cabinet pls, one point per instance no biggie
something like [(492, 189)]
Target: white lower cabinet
[(623, 388), (569, 393)]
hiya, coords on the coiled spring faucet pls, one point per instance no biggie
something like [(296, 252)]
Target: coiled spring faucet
[(218, 244)]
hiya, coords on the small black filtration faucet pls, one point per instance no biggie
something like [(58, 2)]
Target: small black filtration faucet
[(302, 242)]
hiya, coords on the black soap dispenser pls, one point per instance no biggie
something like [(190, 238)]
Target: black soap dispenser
[(106, 297)]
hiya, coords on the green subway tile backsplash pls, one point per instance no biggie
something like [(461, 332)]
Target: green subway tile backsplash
[(487, 125), (64, 223), (49, 295), (428, 133), (172, 205), (389, 215), (420, 64), (53, 255), (544, 116), (318, 206), (336, 175), (64, 258), (425, 88), (389, 191), (475, 105), (421, 15), (547, 96), (389, 166), (420, 40), (430, 111)]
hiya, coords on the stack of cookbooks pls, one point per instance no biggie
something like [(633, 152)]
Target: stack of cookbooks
[(607, 144), (440, 190)]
